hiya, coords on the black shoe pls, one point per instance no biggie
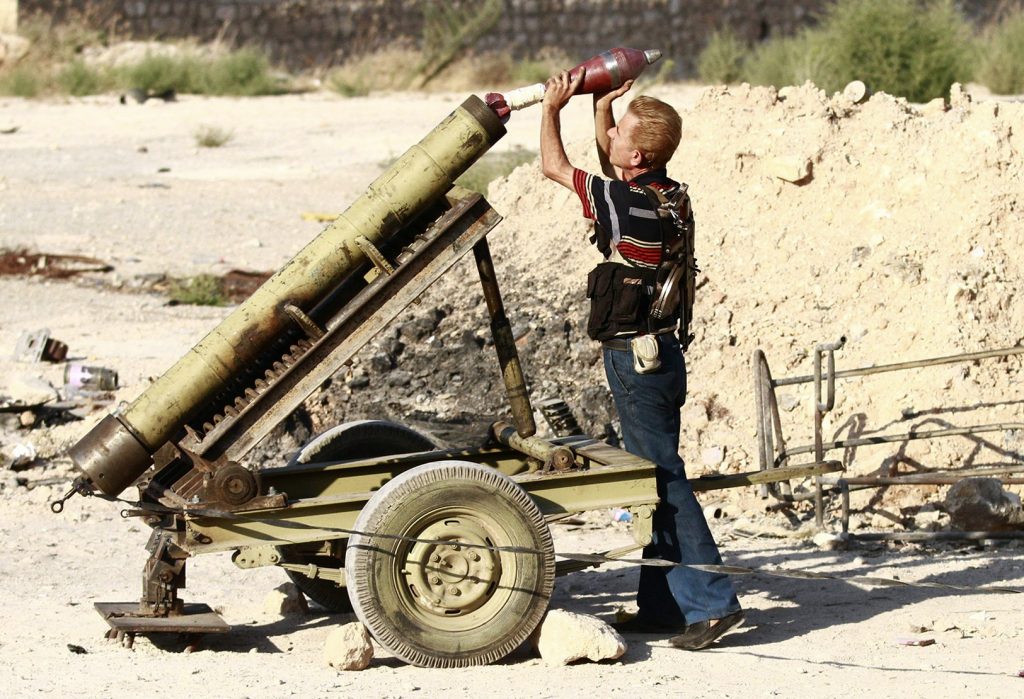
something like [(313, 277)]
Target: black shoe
[(638, 625), (703, 633)]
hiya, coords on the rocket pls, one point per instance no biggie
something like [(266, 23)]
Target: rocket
[(605, 71)]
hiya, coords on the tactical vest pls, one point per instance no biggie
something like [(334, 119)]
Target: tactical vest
[(626, 300)]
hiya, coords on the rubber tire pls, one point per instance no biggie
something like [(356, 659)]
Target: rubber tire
[(361, 439), (441, 492)]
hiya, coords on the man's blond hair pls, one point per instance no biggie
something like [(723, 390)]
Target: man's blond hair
[(657, 130)]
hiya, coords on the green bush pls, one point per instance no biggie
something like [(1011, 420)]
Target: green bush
[(242, 73), (903, 47), (911, 48), (1001, 66), (19, 81), (200, 290), (158, 73), (78, 78), (721, 61), (212, 136), (356, 79), (790, 61)]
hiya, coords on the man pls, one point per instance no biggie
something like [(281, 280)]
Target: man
[(700, 607)]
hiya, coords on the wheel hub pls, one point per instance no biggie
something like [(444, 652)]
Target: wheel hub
[(456, 576)]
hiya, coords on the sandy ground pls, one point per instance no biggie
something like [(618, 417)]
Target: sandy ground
[(86, 177)]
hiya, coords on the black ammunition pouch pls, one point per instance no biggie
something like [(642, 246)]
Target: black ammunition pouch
[(620, 300)]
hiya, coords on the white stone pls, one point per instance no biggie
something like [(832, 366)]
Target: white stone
[(285, 599), (563, 637), (830, 541), (12, 48), (855, 91), (930, 521), (25, 390), (958, 97), (348, 647), (712, 456), (791, 168)]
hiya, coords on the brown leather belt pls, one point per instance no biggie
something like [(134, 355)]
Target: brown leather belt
[(619, 344)]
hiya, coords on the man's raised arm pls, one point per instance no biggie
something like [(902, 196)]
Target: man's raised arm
[(604, 120), (554, 162)]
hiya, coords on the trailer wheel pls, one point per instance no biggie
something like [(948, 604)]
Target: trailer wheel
[(456, 602), (362, 439)]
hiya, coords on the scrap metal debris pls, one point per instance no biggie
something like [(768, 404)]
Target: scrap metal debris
[(39, 346), (23, 263), (79, 377)]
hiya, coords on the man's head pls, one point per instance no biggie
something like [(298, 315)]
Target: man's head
[(647, 135)]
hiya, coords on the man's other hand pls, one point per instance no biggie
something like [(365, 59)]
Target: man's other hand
[(560, 88), (612, 95)]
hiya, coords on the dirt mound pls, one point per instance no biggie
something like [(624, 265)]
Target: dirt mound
[(901, 238)]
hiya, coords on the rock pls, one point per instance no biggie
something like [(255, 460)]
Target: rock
[(930, 521), (21, 455), (958, 97), (381, 363), (981, 504), (712, 456), (791, 168), (788, 401), (830, 541), (563, 637), (25, 390), (855, 91), (12, 48), (285, 599), (348, 647), (882, 520)]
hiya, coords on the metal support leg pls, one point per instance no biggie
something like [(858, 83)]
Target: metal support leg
[(508, 356)]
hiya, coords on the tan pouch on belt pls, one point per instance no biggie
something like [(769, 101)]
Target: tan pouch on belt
[(645, 353)]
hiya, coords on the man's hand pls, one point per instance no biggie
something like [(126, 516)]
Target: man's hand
[(559, 88), (606, 98)]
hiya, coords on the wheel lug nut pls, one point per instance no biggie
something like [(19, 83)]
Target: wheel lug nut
[(475, 556), (435, 580), (435, 558), (452, 590)]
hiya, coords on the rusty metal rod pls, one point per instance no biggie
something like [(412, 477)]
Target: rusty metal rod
[(559, 457), (927, 477), (504, 343), (936, 536), (935, 480), (906, 436), (883, 368)]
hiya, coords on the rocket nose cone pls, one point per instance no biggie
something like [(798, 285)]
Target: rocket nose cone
[(652, 55)]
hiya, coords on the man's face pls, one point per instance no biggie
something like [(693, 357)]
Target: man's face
[(621, 151)]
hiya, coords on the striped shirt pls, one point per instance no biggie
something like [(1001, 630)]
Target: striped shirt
[(623, 214)]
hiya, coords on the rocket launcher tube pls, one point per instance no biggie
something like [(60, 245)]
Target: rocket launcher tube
[(118, 450)]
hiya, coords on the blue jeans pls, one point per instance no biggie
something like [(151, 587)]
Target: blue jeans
[(648, 407)]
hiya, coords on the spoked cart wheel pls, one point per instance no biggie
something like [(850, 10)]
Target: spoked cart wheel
[(458, 601)]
